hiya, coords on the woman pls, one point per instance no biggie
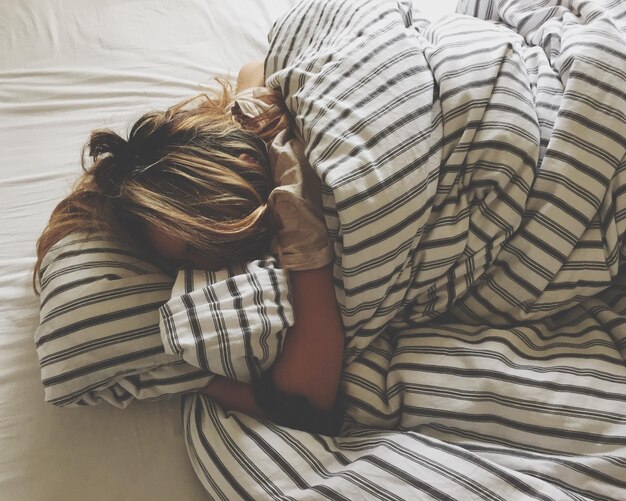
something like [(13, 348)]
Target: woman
[(194, 185)]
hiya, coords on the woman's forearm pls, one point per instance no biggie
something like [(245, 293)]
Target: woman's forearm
[(312, 358), (233, 395)]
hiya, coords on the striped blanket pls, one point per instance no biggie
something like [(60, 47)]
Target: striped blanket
[(474, 178), (473, 174)]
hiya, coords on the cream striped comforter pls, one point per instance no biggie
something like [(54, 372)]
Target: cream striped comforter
[(474, 177)]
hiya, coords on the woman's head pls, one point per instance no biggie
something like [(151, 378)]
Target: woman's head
[(190, 174)]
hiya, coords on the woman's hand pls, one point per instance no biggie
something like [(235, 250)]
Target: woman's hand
[(233, 395)]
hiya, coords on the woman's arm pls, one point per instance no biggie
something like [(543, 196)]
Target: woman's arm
[(311, 361), (312, 357)]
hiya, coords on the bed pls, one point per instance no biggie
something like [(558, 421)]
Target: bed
[(453, 388), (68, 67)]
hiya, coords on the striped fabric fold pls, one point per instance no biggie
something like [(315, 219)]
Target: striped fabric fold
[(473, 175), (467, 167), (230, 322)]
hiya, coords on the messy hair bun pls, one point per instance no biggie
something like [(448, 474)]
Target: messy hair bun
[(112, 154)]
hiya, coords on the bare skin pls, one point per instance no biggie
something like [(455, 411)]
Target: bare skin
[(311, 361)]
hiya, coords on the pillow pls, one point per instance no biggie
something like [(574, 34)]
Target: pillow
[(99, 336), (111, 327)]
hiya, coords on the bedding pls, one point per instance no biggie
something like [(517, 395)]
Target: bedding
[(470, 171), (98, 338), (473, 175)]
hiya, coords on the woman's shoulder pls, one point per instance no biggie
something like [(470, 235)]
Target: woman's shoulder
[(251, 75)]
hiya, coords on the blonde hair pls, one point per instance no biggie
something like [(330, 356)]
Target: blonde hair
[(193, 172)]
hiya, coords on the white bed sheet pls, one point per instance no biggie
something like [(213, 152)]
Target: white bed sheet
[(68, 66)]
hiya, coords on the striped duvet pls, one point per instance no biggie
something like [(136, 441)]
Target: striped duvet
[(474, 178), (473, 185)]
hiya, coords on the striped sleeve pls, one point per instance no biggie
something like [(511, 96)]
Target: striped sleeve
[(98, 338), (230, 322)]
